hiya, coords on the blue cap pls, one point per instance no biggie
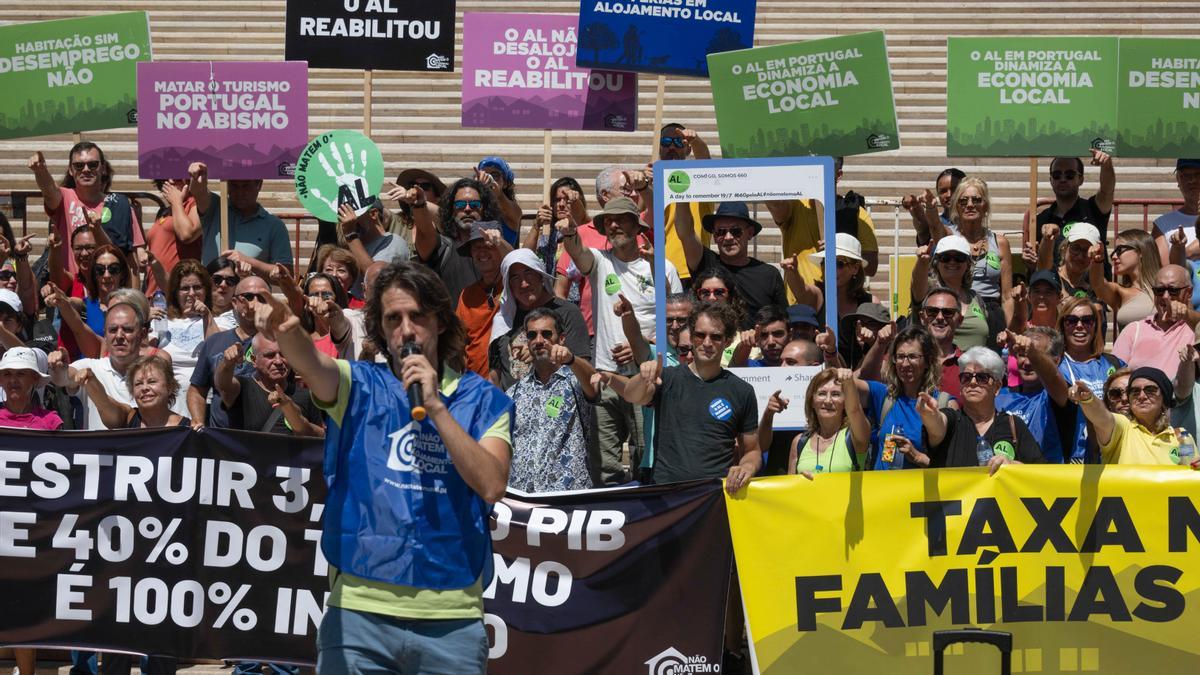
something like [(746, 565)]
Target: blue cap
[(498, 163), (803, 314), (1187, 164)]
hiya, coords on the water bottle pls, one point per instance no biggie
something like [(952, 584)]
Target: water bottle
[(1187, 448), (159, 326), (983, 451), (890, 458)]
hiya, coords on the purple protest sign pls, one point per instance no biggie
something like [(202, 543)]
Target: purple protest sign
[(245, 120), (519, 71)]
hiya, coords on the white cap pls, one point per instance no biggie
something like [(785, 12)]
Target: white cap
[(845, 246), (1081, 232), (25, 358), (11, 299), (953, 242)]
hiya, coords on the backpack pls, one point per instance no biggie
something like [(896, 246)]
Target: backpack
[(889, 402), (846, 212)]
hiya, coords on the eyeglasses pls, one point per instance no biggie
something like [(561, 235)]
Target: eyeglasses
[(1069, 174), (1115, 393), (908, 358), (953, 258), (1088, 321), (704, 293), (1173, 291), (982, 378), (1121, 249), (1151, 391), (224, 280), (7, 275), (945, 312), (971, 199), (191, 289), (252, 297), (461, 204), (324, 295), (90, 166), (668, 141), (720, 233), (546, 334), (114, 269)]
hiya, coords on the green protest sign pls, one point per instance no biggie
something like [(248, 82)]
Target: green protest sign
[(72, 74), (1030, 97), (1158, 104), (821, 97), (336, 168)]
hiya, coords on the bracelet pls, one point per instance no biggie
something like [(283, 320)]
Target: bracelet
[(351, 236)]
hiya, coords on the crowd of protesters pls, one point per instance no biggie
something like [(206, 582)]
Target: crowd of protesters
[(1002, 357)]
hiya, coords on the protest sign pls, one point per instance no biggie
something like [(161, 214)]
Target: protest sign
[(519, 71), (821, 97), (1014, 96), (71, 75), (743, 180), (1158, 104), (336, 168), (670, 38), (791, 382), (1103, 580), (371, 34), (245, 120)]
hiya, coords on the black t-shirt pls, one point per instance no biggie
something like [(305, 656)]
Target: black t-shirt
[(574, 329), (757, 283), (1084, 211), (252, 409), (210, 355), (696, 422), (457, 271), (776, 463), (959, 447), (119, 226)]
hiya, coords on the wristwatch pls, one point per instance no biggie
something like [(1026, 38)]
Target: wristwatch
[(351, 236)]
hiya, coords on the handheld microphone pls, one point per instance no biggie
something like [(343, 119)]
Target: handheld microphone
[(415, 397)]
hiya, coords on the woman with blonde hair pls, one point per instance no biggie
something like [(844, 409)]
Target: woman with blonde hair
[(991, 254), (840, 433), (1135, 265)]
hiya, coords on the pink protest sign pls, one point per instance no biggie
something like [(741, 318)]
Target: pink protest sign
[(519, 71), (245, 120)]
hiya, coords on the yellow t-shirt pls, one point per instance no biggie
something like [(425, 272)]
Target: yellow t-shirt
[(363, 595), (803, 230), (1132, 443), (674, 248)]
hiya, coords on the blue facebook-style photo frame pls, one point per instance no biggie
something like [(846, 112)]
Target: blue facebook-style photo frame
[(746, 180)]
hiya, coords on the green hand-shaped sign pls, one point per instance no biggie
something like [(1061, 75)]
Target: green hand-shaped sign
[(338, 167)]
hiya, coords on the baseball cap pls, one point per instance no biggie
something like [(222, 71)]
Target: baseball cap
[(1187, 164), (11, 299), (802, 314), (1047, 276), (25, 358), (845, 246), (953, 243), (1081, 232)]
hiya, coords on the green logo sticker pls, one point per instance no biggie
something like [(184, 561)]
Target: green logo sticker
[(679, 181), (554, 406), (978, 311), (993, 260), (1198, 272), (1175, 455), (1005, 448), (106, 215), (612, 285), (1080, 293), (1111, 370), (336, 168), (1067, 230)]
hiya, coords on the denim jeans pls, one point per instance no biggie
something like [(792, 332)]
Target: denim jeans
[(363, 643)]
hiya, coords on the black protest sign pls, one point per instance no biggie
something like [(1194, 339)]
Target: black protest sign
[(371, 34)]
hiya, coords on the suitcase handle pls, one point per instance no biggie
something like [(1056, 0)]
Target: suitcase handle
[(998, 639)]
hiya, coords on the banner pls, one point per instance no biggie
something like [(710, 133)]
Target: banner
[(1090, 568), (205, 545), (1158, 103), (339, 167), (519, 71), (670, 38), (792, 382), (245, 120), (371, 34), (1026, 97), (821, 97), (72, 74), (610, 581)]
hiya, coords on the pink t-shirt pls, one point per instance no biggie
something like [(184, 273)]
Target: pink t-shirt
[(70, 215), (1142, 343), (590, 238), (37, 418)]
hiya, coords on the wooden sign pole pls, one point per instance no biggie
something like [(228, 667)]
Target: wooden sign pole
[(367, 91), (76, 137), (658, 114), (1033, 197), (223, 186), (546, 177)]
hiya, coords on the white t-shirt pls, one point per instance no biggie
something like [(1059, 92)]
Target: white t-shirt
[(226, 320), (635, 280), (182, 341), (114, 385), (1168, 222)]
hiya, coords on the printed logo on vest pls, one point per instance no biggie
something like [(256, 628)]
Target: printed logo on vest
[(401, 456), (720, 409), (417, 452)]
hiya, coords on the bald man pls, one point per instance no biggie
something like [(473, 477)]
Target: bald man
[(1156, 340), (801, 353)]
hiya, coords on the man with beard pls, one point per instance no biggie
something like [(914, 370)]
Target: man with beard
[(941, 316), (465, 203), (770, 336), (366, 238), (269, 400), (1066, 177)]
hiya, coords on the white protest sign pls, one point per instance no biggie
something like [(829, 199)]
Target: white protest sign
[(792, 382)]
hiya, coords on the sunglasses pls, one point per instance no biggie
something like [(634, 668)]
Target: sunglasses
[(461, 204), (252, 297), (982, 378), (1069, 174), (423, 184), (668, 141), (963, 201), (944, 312), (677, 319), (224, 280), (1150, 390), (712, 292), (953, 258), (842, 263), (735, 231), (1121, 249), (1115, 393), (1088, 321), (114, 269), (1172, 291), (90, 166), (683, 350), (7, 275), (546, 334)]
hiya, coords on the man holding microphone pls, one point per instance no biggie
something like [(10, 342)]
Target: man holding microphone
[(406, 521)]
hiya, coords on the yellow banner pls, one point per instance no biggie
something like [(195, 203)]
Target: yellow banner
[(1092, 569)]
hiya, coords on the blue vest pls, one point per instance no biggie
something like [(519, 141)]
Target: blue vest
[(398, 511), (1034, 411)]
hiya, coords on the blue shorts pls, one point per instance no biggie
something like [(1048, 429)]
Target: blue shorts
[(360, 642)]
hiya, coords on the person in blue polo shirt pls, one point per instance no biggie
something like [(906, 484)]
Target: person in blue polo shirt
[(258, 239)]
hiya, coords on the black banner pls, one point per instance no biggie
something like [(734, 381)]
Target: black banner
[(371, 34), (205, 545)]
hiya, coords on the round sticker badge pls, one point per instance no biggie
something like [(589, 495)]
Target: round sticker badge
[(720, 409), (106, 215), (612, 285), (993, 260), (978, 311), (1005, 448)]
